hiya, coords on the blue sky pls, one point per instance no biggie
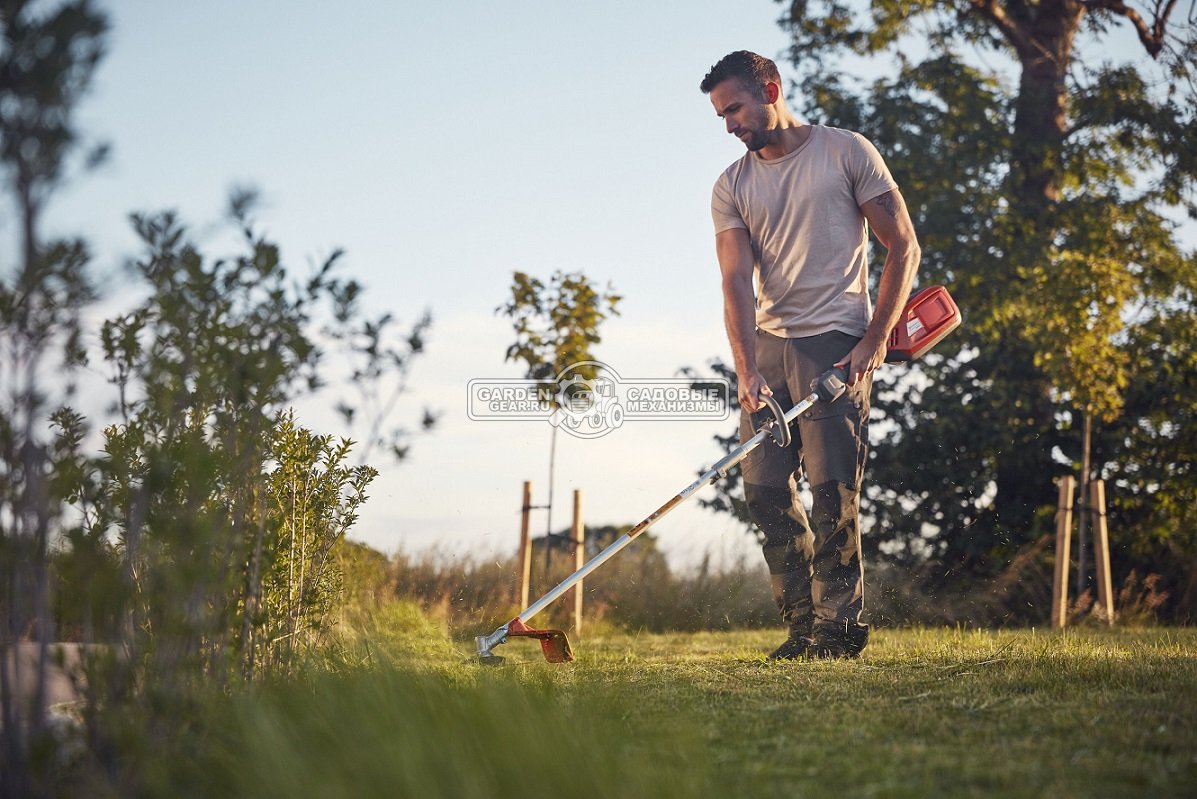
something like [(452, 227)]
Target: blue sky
[(444, 145), (429, 139)]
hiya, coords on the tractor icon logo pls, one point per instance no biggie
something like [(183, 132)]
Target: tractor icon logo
[(587, 407), (589, 399)]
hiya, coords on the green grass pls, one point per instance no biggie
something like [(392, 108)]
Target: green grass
[(924, 713)]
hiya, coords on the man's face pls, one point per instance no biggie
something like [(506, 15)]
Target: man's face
[(748, 117)]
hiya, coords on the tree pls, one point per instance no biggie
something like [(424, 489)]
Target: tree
[(47, 60), (1045, 180), (555, 325), (204, 367), (221, 514)]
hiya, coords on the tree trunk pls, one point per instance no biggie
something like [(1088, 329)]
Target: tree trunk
[(1044, 46), (1042, 35)]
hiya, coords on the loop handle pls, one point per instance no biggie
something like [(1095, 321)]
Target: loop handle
[(779, 431)]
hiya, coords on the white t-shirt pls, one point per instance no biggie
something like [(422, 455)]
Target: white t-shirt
[(809, 238)]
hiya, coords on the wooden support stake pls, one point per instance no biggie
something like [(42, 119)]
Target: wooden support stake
[(525, 553), (1063, 547), (579, 536), (1101, 549)]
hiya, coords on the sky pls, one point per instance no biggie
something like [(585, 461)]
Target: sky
[(445, 145)]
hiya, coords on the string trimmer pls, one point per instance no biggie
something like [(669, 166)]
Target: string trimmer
[(928, 316)]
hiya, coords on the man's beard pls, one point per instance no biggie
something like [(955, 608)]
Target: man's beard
[(757, 139)]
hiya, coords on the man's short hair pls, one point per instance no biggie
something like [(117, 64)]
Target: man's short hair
[(752, 70)]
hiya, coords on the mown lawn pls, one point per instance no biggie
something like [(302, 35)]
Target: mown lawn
[(1086, 713)]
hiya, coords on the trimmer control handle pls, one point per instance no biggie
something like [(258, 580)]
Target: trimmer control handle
[(779, 430), (830, 385)]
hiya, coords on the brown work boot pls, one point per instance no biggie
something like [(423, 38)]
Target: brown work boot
[(796, 647), (832, 640)]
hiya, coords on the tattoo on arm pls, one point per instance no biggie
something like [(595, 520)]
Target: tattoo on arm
[(888, 203)]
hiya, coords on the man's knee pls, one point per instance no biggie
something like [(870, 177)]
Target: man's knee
[(771, 508), (788, 541), (835, 508)]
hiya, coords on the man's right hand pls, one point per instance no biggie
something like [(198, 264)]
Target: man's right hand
[(750, 386)]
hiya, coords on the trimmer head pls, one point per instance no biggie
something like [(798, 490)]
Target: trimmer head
[(553, 643)]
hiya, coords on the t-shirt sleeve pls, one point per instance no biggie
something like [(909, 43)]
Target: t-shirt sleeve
[(870, 176), (723, 206)]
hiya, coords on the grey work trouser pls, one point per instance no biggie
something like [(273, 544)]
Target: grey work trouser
[(814, 561)]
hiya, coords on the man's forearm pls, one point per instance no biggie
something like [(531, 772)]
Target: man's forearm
[(739, 317), (901, 264)]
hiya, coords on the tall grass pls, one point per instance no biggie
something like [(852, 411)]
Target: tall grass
[(925, 712), (639, 591), (390, 732), (399, 711)]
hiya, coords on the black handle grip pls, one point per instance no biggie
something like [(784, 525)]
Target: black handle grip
[(830, 385), (778, 430)]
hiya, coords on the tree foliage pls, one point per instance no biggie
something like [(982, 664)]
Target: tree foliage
[(556, 324), (204, 367), (47, 60)]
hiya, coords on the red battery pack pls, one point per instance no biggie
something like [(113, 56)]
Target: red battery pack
[(929, 316)]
